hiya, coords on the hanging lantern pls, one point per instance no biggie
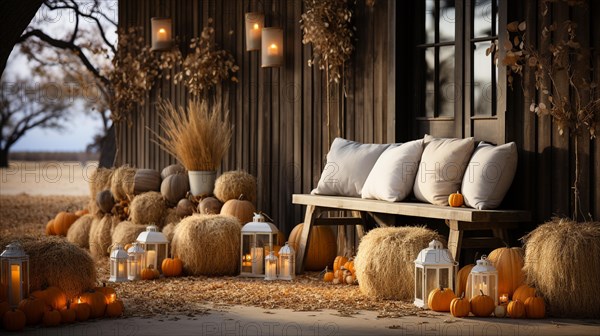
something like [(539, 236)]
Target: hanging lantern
[(162, 38), (254, 24), (271, 266), (118, 264), (287, 263), (272, 47), (156, 245), (483, 277), (434, 268), (14, 273), (135, 261), (258, 237)]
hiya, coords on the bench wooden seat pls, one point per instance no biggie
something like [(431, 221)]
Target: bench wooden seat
[(457, 219)]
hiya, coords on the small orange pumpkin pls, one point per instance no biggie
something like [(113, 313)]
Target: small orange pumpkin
[(63, 221), (172, 267), (34, 309), (349, 265), (51, 318), (50, 228), (53, 297), (456, 200), (68, 315), (149, 273), (82, 310), (460, 307), (482, 305), (439, 299), (14, 320), (535, 307), (115, 308), (328, 276), (97, 302), (338, 262), (107, 291), (516, 309)]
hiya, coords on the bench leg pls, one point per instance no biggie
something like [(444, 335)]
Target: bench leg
[(455, 241), (309, 219)]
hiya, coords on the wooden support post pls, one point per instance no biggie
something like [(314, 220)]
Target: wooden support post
[(454, 239), (309, 218)]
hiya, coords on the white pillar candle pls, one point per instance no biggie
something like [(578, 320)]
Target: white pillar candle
[(15, 278), (151, 259)]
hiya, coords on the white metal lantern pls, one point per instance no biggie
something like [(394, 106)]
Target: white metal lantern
[(162, 34), (483, 278), (287, 263), (135, 261), (14, 273), (254, 25), (271, 266), (118, 264), (434, 268), (156, 245), (271, 47), (258, 237)]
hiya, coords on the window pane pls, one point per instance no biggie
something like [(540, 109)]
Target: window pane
[(429, 21), (447, 21), (429, 82), (446, 84), (483, 85), (482, 20)]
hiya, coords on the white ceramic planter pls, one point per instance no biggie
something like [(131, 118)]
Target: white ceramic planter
[(202, 182)]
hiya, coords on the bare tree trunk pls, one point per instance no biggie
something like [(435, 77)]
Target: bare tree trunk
[(3, 158), (576, 199)]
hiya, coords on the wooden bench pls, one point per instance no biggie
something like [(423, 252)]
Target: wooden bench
[(457, 219)]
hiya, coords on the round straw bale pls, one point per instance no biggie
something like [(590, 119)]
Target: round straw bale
[(122, 182), (232, 184), (147, 208), (170, 216), (172, 169), (101, 235), (561, 261), (53, 261), (169, 230), (385, 261), (100, 180), (79, 232), (127, 232), (208, 244), (146, 180)]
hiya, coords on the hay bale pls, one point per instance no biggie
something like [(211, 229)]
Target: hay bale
[(385, 261), (169, 231), (79, 232), (148, 208), (208, 244), (232, 184), (53, 261), (122, 182), (127, 232), (561, 261), (170, 216), (100, 180), (101, 235)]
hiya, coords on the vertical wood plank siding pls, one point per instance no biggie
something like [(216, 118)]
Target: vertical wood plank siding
[(278, 113)]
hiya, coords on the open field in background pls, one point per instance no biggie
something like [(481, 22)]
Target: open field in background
[(53, 156)]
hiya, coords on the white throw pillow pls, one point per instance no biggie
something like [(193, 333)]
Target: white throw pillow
[(393, 175), (442, 167), (489, 175), (348, 166)]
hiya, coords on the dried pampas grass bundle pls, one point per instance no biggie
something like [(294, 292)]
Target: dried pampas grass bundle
[(122, 182), (208, 244), (101, 235), (385, 261), (197, 137), (55, 262), (232, 184), (148, 208), (79, 232), (127, 233), (561, 261)]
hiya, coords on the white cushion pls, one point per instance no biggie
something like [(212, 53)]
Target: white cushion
[(348, 166), (489, 175), (393, 175), (441, 169)]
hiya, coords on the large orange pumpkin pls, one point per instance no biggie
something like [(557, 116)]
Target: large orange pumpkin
[(439, 299), (82, 310), (63, 221), (14, 320), (508, 263), (461, 279), (34, 309), (97, 302), (523, 292), (535, 307), (240, 208), (322, 246)]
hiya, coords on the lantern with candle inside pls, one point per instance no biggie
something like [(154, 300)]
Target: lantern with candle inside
[(161, 34), (118, 264), (135, 261), (287, 263), (504, 299), (14, 273), (271, 47), (258, 236), (483, 277), (271, 266), (156, 245), (434, 268), (254, 25)]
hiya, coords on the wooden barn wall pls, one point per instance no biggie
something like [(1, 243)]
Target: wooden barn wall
[(278, 114)]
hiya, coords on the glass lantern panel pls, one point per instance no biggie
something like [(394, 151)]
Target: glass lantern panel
[(161, 254), (122, 268), (25, 280), (492, 287), (419, 283), (150, 255), (4, 272), (15, 283), (247, 243), (432, 281), (444, 278), (263, 240)]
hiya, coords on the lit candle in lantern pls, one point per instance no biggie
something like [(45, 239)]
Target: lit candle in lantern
[(484, 288), (121, 268), (504, 298), (15, 278), (247, 260), (257, 260), (151, 258), (162, 35), (273, 50)]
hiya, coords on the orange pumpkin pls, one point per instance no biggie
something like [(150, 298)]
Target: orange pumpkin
[(82, 310), (51, 318), (508, 263), (516, 309), (97, 302), (240, 208), (322, 246), (149, 273), (14, 320), (4, 307), (107, 291), (328, 276), (455, 200), (338, 262), (63, 221), (53, 297), (82, 212), (68, 315), (34, 309), (535, 307), (50, 228), (461, 279), (349, 265), (172, 267), (460, 307), (523, 292), (439, 299), (114, 309), (482, 305)]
